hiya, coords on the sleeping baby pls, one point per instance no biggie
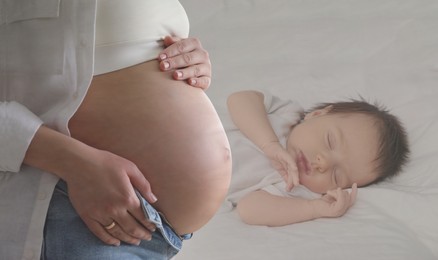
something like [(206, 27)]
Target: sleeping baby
[(324, 152)]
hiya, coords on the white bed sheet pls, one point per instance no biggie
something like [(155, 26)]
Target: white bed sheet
[(326, 50)]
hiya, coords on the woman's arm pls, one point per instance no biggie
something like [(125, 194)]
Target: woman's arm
[(17, 128), (100, 184), (262, 208)]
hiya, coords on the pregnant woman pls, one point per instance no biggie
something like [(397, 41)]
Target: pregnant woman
[(142, 158)]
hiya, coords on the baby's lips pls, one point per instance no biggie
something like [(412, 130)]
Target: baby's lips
[(303, 164), (300, 165)]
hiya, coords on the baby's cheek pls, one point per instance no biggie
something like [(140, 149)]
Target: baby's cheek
[(315, 184)]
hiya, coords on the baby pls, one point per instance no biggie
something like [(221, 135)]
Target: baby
[(335, 146)]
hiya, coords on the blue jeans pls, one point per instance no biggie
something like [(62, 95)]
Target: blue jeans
[(67, 237)]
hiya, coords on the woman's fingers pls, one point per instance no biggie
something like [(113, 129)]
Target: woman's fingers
[(138, 214), (169, 40), (196, 75), (117, 232), (122, 228), (189, 60), (201, 82), (196, 56), (177, 47), (133, 225), (110, 196), (196, 63), (98, 230), (195, 71), (140, 183)]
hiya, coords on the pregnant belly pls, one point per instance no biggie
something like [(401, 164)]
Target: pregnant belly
[(170, 130)]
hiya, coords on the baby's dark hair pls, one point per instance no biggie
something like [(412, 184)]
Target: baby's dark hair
[(394, 149)]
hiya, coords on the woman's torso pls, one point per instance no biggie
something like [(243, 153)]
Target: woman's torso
[(169, 129)]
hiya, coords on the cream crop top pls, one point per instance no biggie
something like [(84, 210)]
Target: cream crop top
[(130, 32)]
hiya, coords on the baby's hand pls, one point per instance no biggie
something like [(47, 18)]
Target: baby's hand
[(335, 203), (284, 163)]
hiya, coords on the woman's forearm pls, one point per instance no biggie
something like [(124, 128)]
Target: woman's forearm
[(18, 126), (54, 152), (248, 113)]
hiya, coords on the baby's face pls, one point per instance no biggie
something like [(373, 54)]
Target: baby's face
[(334, 150)]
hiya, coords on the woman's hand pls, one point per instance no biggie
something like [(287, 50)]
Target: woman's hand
[(100, 185), (189, 60), (335, 202), (102, 193), (283, 162)]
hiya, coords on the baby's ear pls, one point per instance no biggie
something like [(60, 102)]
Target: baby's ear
[(318, 112)]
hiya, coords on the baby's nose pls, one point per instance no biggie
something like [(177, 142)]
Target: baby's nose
[(321, 164)]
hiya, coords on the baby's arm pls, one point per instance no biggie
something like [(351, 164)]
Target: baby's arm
[(262, 208), (248, 112)]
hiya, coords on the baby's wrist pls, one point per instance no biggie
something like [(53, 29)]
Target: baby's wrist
[(267, 145), (315, 208)]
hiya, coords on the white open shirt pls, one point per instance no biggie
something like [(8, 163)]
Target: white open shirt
[(46, 66)]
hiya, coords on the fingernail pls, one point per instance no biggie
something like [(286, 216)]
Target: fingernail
[(193, 82), (166, 64), (152, 228), (162, 56), (179, 74), (152, 197)]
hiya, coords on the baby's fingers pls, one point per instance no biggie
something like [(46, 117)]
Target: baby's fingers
[(293, 178), (333, 193), (353, 194), (340, 196), (346, 199)]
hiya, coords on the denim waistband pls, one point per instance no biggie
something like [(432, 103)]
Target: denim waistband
[(166, 230), (162, 224)]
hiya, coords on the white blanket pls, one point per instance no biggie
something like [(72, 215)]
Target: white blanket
[(315, 51)]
